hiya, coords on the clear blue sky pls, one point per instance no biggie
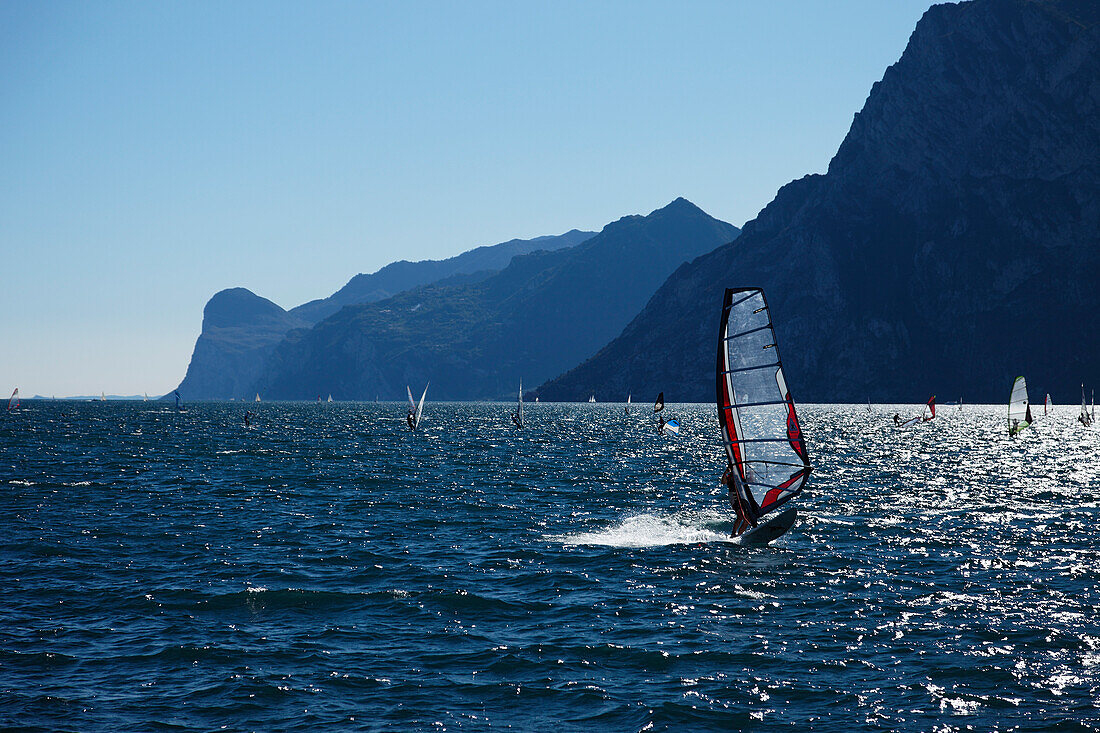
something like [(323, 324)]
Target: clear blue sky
[(152, 154)]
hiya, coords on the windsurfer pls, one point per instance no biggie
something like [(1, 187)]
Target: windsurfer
[(661, 425), (897, 419), (1015, 428), (741, 503), (515, 420), (411, 419), (248, 418)]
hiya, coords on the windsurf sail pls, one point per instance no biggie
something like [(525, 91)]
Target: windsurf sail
[(177, 396), (760, 430), (1019, 411), (102, 396), (420, 408), (592, 398), (660, 402), (1093, 405), (627, 408), (146, 398), (330, 398), (412, 402), (257, 396), (1047, 405), (931, 408), (517, 417), (13, 401)]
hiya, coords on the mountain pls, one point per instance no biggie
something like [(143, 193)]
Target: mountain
[(951, 245), (397, 277), (240, 329), (543, 313)]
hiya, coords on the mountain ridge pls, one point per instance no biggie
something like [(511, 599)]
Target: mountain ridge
[(240, 329), (476, 341), (958, 214)]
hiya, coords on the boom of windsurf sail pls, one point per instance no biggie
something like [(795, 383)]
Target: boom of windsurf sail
[(13, 401), (760, 429), (1019, 410), (659, 404)]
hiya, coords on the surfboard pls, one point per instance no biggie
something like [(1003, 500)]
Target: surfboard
[(772, 529)]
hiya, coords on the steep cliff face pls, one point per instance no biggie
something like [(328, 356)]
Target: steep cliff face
[(541, 314), (239, 331), (953, 243)]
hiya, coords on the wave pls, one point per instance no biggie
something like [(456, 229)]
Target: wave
[(653, 530)]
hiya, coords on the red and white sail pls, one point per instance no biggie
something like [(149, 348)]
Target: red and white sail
[(760, 429)]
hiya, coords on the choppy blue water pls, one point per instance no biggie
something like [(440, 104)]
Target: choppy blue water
[(329, 570)]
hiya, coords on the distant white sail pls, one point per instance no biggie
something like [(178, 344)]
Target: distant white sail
[(146, 398), (592, 398), (1019, 409), (1048, 405), (1084, 418), (330, 398), (257, 396), (420, 408), (517, 416)]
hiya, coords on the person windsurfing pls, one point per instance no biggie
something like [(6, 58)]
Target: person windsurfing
[(515, 419), (740, 500), (1014, 429), (897, 419), (660, 425), (248, 418), (411, 419)]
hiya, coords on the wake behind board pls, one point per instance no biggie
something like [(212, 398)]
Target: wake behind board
[(770, 530)]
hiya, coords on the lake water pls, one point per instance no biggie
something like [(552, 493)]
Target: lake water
[(328, 570)]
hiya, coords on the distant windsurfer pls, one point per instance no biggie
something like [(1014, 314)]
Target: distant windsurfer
[(411, 419), (740, 501), (515, 420), (1015, 428), (660, 425), (248, 418), (897, 419)]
